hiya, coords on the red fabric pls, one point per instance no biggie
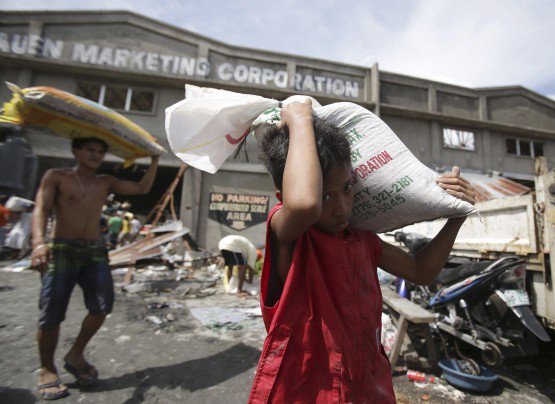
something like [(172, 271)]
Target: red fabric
[(4, 215), (323, 343)]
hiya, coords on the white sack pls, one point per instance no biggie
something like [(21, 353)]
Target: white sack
[(17, 204), (392, 188), (204, 129)]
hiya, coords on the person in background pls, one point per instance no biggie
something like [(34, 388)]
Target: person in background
[(136, 226), (103, 225), (18, 240), (4, 220), (238, 251), (115, 224), (4, 212), (125, 233)]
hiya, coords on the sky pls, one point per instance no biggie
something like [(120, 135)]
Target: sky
[(473, 43)]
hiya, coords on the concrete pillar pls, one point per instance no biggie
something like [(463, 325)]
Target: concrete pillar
[(25, 78), (190, 199), (487, 154), (374, 87), (291, 70), (432, 99), (483, 108), (437, 143)]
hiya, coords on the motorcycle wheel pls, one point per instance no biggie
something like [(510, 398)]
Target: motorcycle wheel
[(492, 355)]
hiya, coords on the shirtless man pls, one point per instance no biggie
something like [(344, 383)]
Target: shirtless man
[(77, 255)]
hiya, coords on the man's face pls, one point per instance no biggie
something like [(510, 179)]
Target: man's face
[(337, 201), (91, 154)]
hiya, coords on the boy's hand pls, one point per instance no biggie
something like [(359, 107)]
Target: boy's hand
[(457, 186), (297, 113)]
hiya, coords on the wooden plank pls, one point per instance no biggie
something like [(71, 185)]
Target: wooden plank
[(412, 312), (399, 338)]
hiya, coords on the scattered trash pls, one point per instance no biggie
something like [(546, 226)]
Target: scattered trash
[(157, 306), (136, 287), (425, 397), (18, 266), (421, 377), (170, 317), (154, 319), (389, 333), (176, 305), (123, 338)]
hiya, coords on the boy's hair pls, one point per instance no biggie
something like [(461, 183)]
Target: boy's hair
[(79, 142), (331, 144)]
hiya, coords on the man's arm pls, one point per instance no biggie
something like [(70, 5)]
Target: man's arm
[(141, 187), (430, 260), (44, 203)]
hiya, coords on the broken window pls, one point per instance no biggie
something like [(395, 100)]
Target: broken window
[(121, 98), (524, 147), (458, 139)]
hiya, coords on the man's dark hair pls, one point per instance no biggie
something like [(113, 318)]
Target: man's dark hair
[(79, 142), (331, 143)]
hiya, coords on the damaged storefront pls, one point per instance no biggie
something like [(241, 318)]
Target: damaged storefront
[(139, 66)]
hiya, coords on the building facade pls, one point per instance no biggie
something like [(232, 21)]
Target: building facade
[(139, 66)]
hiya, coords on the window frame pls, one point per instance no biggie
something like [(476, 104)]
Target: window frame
[(449, 147), (129, 95), (531, 143)]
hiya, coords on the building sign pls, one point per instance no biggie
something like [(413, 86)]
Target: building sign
[(238, 211), (154, 59)]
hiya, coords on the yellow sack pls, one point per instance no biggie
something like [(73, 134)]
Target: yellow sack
[(69, 116)]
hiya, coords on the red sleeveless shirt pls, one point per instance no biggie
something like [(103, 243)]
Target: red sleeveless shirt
[(323, 343)]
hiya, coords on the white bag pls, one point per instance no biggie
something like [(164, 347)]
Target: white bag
[(392, 188), (204, 129), (17, 204)]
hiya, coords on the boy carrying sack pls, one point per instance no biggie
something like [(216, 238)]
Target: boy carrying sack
[(320, 296)]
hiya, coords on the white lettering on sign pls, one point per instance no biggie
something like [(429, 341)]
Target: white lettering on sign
[(120, 58), (33, 45), (325, 85), (252, 75)]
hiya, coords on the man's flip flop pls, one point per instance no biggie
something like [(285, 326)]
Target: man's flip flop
[(78, 372), (51, 396)]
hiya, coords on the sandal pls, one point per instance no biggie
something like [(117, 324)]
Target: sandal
[(51, 396), (78, 374)]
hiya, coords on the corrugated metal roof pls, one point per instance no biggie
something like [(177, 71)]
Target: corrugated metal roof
[(488, 187)]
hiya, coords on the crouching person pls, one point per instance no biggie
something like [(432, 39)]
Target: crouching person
[(77, 255)]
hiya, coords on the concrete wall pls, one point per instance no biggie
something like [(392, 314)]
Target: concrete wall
[(209, 232), (416, 109)]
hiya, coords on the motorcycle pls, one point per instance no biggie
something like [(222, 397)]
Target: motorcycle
[(484, 304)]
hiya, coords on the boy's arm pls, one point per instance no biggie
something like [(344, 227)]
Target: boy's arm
[(430, 260), (301, 192), (302, 176)]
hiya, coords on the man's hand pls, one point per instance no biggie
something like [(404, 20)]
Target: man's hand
[(155, 158), (39, 258), (457, 186)]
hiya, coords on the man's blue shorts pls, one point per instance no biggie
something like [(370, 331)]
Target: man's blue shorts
[(84, 262)]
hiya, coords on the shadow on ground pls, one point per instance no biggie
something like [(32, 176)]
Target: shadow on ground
[(20, 396), (192, 375)]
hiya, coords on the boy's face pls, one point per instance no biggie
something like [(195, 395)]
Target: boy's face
[(337, 201)]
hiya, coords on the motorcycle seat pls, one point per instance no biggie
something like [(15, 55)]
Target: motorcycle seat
[(448, 276)]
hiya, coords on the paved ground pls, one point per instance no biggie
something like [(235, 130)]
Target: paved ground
[(184, 360)]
